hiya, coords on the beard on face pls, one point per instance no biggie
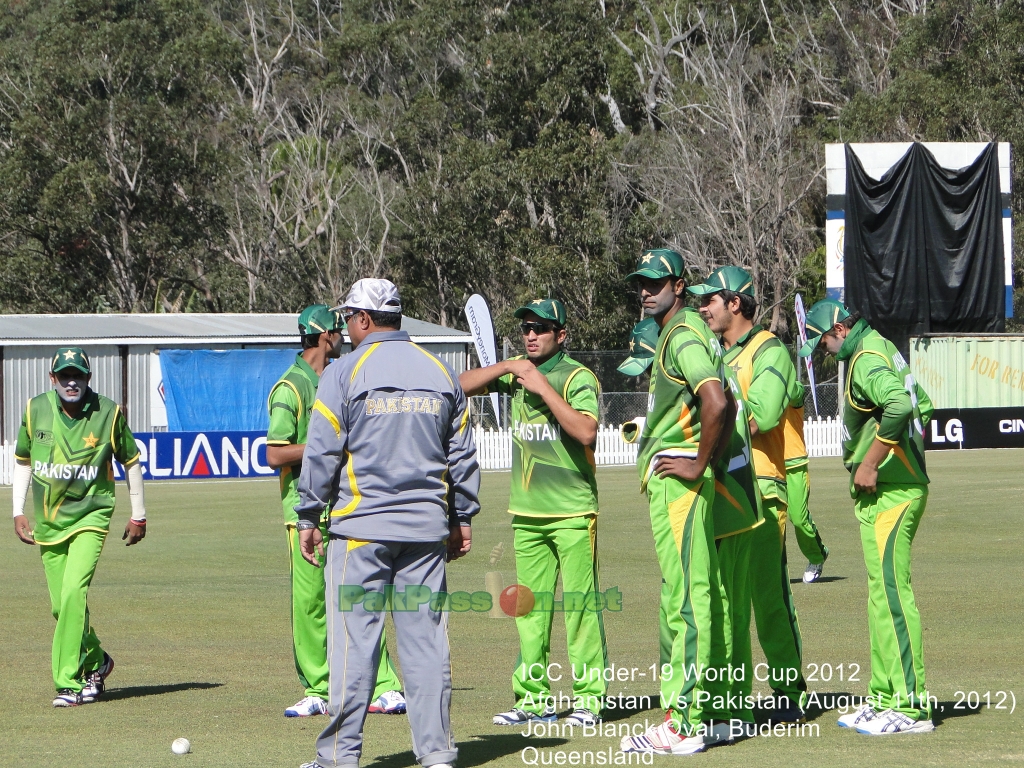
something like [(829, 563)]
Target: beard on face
[(69, 397)]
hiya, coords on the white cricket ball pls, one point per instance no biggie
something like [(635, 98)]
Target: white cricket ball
[(181, 747)]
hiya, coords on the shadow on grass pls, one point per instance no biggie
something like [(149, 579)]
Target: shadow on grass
[(945, 711), (482, 749), (137, 691), (642, 704), (821, 580)]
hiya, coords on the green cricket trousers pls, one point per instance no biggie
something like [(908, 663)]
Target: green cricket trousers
[(798, 490), (695, 627), (69, 568), (544, 548), (888, 523)]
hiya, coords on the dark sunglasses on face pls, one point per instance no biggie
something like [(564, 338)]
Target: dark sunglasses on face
[(537, 328)]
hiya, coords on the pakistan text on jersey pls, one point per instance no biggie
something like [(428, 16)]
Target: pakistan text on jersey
[(540, 432), (65, 471), (377, 406)]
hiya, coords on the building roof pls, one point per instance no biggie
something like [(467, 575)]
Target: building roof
[(182, 329)]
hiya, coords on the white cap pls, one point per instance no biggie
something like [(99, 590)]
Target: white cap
[(374, 294)]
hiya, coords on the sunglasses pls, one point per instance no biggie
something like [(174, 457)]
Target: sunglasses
[(537, 328)]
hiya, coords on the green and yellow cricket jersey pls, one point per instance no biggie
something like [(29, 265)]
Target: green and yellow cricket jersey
[(553, 474), (882, 401), (290, 404), (765, 373), (737, 506), (72, 473), (793, 428), (688, 355)]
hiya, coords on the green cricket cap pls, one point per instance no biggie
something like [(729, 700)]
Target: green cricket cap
[(732, 279), (548, 309), (643, 343), (70, 357), (820, 319), (658, 263), (318, 318)]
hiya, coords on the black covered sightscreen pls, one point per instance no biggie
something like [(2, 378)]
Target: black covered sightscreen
[(924, 246)]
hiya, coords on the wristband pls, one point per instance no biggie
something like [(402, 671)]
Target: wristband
[(305, 525), (140, 523)]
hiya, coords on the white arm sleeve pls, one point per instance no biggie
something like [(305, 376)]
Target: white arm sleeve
[(20, 480), (133, 477)]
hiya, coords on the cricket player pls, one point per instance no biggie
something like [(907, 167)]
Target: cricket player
[(290, 403), (67, 441), (390, 451), (688, 415), (553, 501), (884, 416), (798, 486), (736, 512), (765, 373)]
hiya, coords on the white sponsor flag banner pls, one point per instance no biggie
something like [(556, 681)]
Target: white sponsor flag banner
[(482, 327), (801, 328)]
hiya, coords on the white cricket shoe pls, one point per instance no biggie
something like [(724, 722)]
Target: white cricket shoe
[(813, 572), (890, 721), (663, 740), (388, 703), (581, 717), (307, 707), (516, 716), (718, 733), (861, 714), (94, 681), (68, 698)]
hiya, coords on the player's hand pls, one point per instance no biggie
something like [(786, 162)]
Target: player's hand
[(865, 478), (518, 367), (311, 544), (533, 380), (460, 540), (21, 528), (133, 533), (678, 466)]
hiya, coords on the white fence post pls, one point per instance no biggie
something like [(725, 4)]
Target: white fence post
[(6, 463)]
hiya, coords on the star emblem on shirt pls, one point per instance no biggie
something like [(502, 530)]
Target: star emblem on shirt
[(91, 440), (69, 355)]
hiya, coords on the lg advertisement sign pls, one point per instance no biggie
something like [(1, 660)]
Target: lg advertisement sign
[(953, 428)]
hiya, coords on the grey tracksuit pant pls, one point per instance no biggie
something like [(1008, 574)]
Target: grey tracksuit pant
[(354, 625)]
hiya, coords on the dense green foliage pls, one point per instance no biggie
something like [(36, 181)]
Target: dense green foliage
[(236, 155)]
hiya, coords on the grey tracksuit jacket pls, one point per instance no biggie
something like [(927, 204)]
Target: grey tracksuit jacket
[(389, 445)]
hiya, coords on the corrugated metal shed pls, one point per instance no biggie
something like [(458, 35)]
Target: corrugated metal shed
[(970, 370), (121, 349)]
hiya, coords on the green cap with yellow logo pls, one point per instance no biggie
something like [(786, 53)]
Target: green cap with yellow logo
[(821, 318), (658, 263), (318, 318), (643, 343), (547, 309), (70, 357), (732, 279)]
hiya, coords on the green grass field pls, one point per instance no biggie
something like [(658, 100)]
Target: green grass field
[(197, 619)]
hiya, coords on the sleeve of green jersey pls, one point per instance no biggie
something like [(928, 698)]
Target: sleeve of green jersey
[(874, 382), (125, 449), (924, 404), (284, 416), (23, 448), (768, 395), (502, 385), (583, 392), (687, 358)]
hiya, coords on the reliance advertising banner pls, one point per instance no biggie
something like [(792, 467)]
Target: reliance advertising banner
[(952, 428), (200, 455)]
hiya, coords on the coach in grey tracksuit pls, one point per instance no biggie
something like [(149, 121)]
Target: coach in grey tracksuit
[(390, 450)]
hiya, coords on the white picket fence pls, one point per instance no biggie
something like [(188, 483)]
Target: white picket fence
[(824, 437)]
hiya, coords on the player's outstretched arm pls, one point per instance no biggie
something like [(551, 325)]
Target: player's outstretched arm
[(20, 481), (476, 380)]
